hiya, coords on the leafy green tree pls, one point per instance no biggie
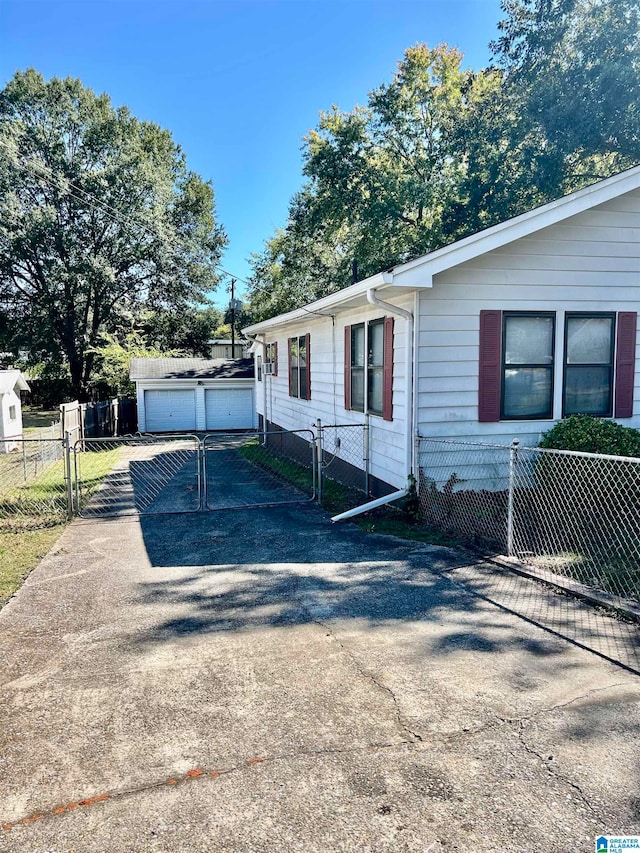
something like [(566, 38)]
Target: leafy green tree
[(99, 216), (379, 181), (572, 67), (440, 152), (186, 331), (113, 360)]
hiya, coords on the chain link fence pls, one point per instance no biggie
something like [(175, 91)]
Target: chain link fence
[(344, 456), (33, 483), (568, 514)]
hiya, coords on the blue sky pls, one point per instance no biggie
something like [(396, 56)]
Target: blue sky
[(237, 83)]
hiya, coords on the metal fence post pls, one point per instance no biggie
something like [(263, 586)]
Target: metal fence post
[(202, 473), (67, 473), (513, 461), (24, 458), (318, 426), (365, 439)]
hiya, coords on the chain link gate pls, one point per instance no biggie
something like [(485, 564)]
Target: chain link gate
[(154, 474), (139, 475), (259, 469)]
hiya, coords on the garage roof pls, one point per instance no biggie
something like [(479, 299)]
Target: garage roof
[(190, 368)]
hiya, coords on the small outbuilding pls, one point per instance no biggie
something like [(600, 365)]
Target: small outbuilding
[(194, 394), (12, 382), (223, 348)]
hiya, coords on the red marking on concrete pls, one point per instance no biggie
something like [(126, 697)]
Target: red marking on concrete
[(89, 801)]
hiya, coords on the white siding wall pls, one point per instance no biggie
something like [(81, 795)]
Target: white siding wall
[(387, 438), (590, 262)]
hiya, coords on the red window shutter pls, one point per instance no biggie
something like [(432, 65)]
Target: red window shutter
[(625, 363), (307, 344), (289, 347), (274, 369), (347, 367), (490, 366), (387, 370)]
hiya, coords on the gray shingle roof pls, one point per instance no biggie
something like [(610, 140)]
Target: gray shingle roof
[(190, 368)]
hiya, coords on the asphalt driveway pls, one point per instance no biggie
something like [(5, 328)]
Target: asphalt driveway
[(257, 680)]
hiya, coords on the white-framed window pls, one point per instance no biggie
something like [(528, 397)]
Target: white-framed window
[(300, 367), (12, 413)]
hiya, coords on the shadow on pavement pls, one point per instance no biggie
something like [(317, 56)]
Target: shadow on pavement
[(289, 565)]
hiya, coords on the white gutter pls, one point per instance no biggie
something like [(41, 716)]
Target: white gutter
[(408, 316), (387, 499)]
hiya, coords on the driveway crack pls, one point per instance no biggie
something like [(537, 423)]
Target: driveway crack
[(559, 776), (412, 735)]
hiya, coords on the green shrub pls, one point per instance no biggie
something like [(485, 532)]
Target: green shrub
[(593, 435)]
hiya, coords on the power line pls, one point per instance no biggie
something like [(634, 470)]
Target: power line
[(118, 216)]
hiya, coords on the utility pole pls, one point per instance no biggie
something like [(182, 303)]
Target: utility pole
[(233, 318)]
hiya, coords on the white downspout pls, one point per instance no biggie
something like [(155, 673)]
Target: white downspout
[(409, 409), (408, 372)]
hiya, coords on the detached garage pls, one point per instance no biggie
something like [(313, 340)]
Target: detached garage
[(194, 394)]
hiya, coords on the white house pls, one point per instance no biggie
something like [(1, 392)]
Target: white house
[(493, 337), (194, 394), (12, 382)]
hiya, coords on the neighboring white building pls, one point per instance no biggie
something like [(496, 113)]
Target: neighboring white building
[(225, 349), (193, 394), (12, 382), (493, 337)]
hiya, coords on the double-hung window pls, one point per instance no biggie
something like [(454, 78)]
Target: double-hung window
[(368, 367), (588, 364), (527, 365), (271, 359), (299, 367), (516, 364)]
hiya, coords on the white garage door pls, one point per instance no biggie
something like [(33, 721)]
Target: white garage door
[(170, 411), (229, 408)]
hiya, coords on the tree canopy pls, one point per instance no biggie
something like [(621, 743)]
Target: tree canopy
[(100, 218), (440, 152)]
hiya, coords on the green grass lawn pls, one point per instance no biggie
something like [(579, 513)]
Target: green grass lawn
[(20, 553), (35, 419), (33, 515)]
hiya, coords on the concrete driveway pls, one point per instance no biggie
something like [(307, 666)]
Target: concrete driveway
[(257, 680)]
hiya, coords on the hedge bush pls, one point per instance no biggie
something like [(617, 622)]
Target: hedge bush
[(593, 435)]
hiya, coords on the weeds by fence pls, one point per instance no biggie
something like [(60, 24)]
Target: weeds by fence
[(571, 514)]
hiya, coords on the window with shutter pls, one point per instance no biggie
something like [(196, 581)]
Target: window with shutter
[(368, 367)]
